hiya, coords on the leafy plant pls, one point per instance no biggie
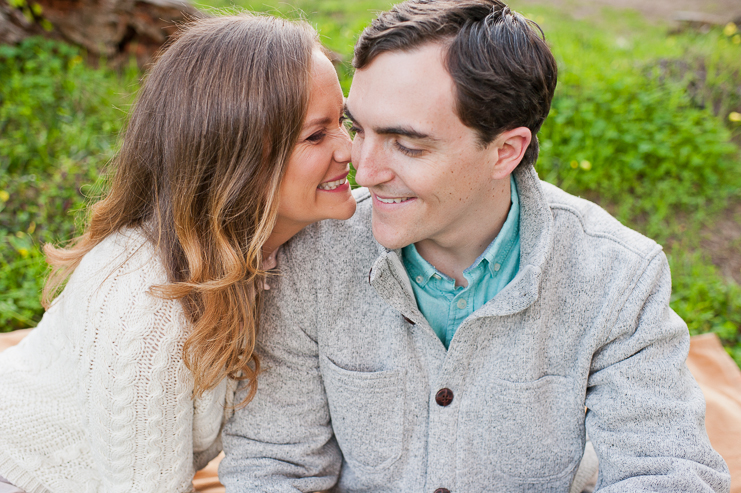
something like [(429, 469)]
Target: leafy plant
[(58, 127), (705, 301)]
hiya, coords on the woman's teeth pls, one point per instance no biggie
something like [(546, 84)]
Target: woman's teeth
[(331, 185), (392, 201)]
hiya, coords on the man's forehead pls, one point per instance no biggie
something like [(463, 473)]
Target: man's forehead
[(411, 84)]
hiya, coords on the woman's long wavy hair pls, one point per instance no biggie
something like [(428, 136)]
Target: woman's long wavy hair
[(198, 172)]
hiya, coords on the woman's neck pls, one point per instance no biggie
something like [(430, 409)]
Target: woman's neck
[(282, 232)]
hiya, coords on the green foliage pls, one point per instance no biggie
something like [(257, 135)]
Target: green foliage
[(52, 105), (640, 145), (58, 127), (23, 267), (707, 303)]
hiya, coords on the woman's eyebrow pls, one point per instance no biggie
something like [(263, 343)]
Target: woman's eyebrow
[(318, 121)]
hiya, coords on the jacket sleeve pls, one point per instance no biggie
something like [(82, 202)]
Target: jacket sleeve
[(645, 412), (136, 393), (282, 441)]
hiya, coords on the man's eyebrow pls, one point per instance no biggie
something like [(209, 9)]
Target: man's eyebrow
[(403, 131), (348, 114)]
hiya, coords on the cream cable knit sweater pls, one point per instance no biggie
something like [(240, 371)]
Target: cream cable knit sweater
[(97, 398)]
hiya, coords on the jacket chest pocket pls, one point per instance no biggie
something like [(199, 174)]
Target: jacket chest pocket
[(530, 431), (367, 412)]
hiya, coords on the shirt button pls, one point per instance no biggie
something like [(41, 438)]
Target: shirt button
[(444, 397), (461, 304), (436, 276), (420, 279), (442, 490), (497, 267)]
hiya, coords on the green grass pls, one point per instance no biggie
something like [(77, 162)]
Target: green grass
[(640, 123)]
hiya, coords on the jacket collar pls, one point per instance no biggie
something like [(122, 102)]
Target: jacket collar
[(390, 279)]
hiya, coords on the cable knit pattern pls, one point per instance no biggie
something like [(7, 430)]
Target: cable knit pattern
[(97, 398)]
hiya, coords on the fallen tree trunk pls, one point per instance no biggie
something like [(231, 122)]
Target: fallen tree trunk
[(112, 29)]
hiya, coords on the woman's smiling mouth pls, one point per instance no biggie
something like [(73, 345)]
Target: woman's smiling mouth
[(337, 183)]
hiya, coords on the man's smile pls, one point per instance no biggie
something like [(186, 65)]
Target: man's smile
[(388, 200)]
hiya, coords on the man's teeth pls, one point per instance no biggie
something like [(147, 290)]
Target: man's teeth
[(392, 201), (331, 185)]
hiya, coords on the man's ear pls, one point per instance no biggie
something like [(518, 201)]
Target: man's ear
[(510, 147)]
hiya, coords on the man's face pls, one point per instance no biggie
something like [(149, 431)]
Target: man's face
[(428, 177)]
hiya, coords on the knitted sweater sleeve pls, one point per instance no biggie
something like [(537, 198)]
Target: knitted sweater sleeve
[(135, 392)]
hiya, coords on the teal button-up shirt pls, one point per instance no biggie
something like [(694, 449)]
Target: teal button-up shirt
[(445, 306)]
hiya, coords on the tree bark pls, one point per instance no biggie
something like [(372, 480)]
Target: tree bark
[(112, 29)]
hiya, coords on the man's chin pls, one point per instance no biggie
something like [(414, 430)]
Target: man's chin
[(391, 238)]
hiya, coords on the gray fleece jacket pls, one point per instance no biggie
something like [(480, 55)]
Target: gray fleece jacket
[(349, 399)]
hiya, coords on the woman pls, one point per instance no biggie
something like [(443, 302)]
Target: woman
[(235, 144)]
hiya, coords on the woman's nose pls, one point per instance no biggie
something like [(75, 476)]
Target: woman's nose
[(343, 149)]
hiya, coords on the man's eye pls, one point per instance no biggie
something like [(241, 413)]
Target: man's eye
[(317, 137), (406, 151)]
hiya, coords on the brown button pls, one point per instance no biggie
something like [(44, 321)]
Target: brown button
[(442, 490), (444, 397)]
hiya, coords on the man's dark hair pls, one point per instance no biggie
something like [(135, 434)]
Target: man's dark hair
[(504, 72)]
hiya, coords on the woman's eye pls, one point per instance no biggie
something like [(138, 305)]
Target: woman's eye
[(406, 151), (317, 137)]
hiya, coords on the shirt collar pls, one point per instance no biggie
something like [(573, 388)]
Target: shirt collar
[(419, 270)]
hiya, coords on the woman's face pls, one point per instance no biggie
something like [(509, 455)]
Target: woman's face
[(315, 185)]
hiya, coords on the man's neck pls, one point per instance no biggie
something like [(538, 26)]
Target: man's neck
[(452, 256)]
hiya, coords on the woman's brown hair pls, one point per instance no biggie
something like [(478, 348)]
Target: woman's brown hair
[(198, 172)]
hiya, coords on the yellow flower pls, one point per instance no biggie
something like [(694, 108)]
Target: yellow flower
[(23, 252), (730, 29), (734, 116), (574, 164), (585, 165), (736, 39), (4, 196)]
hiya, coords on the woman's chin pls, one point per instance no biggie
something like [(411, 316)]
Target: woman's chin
[(345, 211)]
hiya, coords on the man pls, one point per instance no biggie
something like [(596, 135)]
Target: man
[(456, 347)]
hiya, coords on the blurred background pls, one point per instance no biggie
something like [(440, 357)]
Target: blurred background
[(646, 122)]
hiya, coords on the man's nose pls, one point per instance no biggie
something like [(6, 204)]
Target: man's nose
[(369, 163)]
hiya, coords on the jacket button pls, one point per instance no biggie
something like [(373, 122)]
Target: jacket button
[(442, 490), (443, 398)]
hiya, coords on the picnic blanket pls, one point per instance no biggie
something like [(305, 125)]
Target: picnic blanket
[(714, 370), (720, 381)]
